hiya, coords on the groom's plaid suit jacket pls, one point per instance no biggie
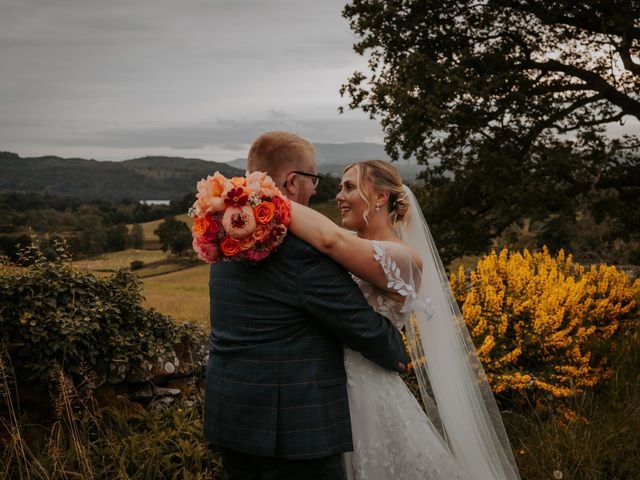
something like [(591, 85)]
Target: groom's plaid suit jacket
[(276, 384)]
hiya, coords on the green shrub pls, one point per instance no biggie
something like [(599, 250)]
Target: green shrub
[(53, 316), (137, 265)]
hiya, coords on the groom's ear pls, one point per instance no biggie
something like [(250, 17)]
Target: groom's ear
[(290, 186)]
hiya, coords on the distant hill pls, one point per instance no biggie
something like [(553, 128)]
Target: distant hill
[(333, 157), (148, 178), (157, 178)]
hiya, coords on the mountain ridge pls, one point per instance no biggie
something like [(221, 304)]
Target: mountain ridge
[(141, 178), (157, 177)]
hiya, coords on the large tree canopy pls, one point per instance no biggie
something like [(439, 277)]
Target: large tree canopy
[(507, 100)]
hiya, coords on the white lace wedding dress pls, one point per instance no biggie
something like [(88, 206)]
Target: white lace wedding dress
[(393, 438)]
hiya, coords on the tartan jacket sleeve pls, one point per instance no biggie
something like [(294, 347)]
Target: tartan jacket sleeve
[(332, 299)]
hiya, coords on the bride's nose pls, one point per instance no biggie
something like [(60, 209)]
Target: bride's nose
[(339, 196)]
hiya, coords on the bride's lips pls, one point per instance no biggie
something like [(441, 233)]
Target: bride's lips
[(344, 210)]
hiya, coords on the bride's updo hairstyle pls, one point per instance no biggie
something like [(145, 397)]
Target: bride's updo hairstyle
[(382, 176)]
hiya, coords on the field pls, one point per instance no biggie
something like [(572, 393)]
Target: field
[(114, 260), (178, 287), (149, 227), (183, 294)]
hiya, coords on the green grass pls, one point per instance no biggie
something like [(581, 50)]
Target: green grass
[(184, 295), (149, 227), (123, 259), (604, 446)]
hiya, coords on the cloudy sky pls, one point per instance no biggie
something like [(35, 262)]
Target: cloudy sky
[(118, 79)]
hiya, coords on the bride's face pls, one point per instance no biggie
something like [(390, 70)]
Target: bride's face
[(350, 203)]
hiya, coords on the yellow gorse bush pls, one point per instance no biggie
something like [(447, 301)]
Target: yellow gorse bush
[(545, 324)]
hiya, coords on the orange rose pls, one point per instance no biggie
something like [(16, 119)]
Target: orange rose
[(200, 225), (264, 212), (229, 246), (284, 210)]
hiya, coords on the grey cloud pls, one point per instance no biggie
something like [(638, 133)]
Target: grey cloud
[(228, 134)]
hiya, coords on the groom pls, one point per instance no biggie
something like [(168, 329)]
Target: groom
[(276, 399)]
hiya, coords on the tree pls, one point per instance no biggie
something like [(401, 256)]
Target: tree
[(90, 235), (136, 237), (326, 190), (117, 236), (174, 235), (508, 100)]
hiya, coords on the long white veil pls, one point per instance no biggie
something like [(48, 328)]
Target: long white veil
[(454, 388)]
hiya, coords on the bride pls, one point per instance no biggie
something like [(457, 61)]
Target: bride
[(394, 261)]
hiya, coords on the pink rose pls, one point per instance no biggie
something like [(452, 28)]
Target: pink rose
[(207, 252)]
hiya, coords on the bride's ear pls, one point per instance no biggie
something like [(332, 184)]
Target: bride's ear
[(382, 197)]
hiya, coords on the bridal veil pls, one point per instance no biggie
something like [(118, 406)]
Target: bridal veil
[(454, 388)]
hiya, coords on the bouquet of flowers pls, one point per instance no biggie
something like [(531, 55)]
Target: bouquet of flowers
[(242, 218)]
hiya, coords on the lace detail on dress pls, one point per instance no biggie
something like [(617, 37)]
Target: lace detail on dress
[(392, 272), (393, 437)]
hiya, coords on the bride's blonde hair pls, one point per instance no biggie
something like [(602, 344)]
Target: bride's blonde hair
[(382, 176)]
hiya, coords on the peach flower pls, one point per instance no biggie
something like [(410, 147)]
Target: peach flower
[(210, 192), (262, 184), (239, 222), (261, 232), (239, 181), (247, 243)]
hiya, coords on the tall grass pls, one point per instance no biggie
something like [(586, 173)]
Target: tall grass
[(81, 440), (597, 438)]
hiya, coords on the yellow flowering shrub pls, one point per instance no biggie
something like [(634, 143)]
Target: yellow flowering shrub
[(545, 324)]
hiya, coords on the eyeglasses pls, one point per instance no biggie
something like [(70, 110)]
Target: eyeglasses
[(314, 176)]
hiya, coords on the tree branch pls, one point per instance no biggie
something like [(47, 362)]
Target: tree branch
[(624, 49), (627, 104), (593, 123)]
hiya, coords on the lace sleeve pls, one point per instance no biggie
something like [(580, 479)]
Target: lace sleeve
[(403, 274), (400, 270)]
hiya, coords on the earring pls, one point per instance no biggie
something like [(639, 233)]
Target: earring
[(377, 207)]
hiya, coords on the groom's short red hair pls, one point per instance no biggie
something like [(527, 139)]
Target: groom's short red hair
[(279, 152)]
